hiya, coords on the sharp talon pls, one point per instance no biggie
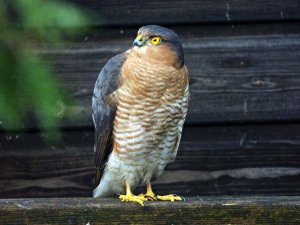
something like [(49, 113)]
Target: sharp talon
[(150, 198), (140, 202)]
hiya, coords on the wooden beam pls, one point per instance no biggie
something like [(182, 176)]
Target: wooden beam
[(122, 13), (232, 79), (240, 77), (197, 210), (212, 160)]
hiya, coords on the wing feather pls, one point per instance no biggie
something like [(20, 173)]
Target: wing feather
[(103, 114)]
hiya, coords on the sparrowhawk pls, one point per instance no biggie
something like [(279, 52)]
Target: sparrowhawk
[(139, 107)]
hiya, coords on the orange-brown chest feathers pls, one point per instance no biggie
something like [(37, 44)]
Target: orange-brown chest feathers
[(151, 91), (153, 71)]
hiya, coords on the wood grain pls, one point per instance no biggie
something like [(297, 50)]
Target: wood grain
[(212, 160), (233, 79), (241, 75), (128, 13), (197, 210)]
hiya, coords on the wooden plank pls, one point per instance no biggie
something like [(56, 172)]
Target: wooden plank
[(238, 74), (197, 210), (96, 34), (128, 13), (233, 79), (212, 160)]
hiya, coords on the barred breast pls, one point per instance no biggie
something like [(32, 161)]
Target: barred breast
[(151, 109)]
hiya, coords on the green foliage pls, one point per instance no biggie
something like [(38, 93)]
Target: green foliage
[(26, 81)]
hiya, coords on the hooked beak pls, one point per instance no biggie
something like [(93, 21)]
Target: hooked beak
[(139, 41)]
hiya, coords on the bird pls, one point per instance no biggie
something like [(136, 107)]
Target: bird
[(139, 106)]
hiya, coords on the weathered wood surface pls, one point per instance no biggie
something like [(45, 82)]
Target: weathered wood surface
[(197, 210), (118, 13), (212, 160), (238, 74), (252, 78)]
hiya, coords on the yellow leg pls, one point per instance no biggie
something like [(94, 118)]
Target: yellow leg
[(149, 193), (129, 197)]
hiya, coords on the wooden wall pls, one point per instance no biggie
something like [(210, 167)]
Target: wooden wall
[(242, 134)]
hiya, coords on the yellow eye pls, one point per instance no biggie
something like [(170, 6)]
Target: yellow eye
[(155, 40)]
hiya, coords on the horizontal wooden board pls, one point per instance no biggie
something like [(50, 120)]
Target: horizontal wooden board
[(243, 73), (198, 210), (212, 160), (99, 34), (232, 79), (128, 13)]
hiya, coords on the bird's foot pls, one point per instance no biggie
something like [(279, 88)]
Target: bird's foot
[(170, 197), (149, 193), (148, 196), (133, 198)]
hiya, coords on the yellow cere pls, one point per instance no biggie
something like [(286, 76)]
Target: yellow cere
[(139, 37), (155, 40)]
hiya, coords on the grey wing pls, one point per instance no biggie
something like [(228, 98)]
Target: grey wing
[(103, 114)]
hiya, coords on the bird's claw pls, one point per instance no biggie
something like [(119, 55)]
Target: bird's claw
[(149, 197), (133, 198)]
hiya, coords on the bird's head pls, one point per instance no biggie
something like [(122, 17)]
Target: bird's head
[(159, 45)]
